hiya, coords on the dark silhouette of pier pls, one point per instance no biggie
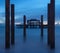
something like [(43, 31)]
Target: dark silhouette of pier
[(12, 24), (42, 26), (7, 26), (50, 26), (32, 23), (24, 33)]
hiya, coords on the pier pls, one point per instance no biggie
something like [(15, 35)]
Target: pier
[(34, 23), (30, 23)]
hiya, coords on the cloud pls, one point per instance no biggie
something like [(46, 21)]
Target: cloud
[(30, 8), (1, 21)]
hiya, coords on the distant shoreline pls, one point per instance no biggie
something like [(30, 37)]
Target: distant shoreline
[(56, 23)]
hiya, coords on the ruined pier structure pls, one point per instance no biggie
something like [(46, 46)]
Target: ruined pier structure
[(51, 24)]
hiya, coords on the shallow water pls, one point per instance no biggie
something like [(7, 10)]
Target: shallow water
[(33, 43)]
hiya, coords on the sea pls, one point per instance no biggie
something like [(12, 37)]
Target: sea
[(33, 43)]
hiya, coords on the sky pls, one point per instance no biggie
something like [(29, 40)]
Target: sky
[(30, 8)]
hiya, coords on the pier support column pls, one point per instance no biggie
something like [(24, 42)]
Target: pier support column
[(51, 24), (12, 25), (49, 30), (42, 26), (7, 24), (52, 45), (24, 27)]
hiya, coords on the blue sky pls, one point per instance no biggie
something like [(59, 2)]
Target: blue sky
[(30, 8)]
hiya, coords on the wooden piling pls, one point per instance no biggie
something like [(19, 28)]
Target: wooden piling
[(52, 27), (12, 24), (42, 26), (49, 30), (24, 26), (7, 24), (52, 45), (51, 24)]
